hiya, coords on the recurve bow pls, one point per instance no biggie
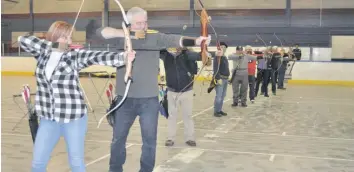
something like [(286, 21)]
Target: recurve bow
[(204, 22), (128, 73)]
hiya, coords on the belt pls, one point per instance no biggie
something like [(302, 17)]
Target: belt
[(174, 90), (224, 77)]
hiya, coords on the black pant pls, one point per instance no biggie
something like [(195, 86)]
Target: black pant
[(281, 76), (266, 80), (274, 76), (260, 76), (251, 83)]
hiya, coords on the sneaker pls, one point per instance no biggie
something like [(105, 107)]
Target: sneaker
[(223, 113), (169, 143), (191, 143), (252, 101), (217, 114)]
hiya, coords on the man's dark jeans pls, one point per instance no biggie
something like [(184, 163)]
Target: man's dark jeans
[(259, 81), (147, 109), (281, 76), (252, 85), (266, 79), (274, 77)]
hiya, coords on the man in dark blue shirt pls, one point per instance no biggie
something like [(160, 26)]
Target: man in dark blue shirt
[(221, 74)]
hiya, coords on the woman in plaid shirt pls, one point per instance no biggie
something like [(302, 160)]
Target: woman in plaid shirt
[(59, 100)]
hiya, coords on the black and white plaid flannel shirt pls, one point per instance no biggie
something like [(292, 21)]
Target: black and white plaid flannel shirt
[(60, 99)]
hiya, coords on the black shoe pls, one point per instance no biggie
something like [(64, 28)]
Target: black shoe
[(266, 95), (169, 143), (234, 104), (243, 104), (191, 143), (282, 88), (223, 113), (217, 114)]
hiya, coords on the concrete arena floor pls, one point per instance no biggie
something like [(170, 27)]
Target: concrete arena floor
[(305, 128)]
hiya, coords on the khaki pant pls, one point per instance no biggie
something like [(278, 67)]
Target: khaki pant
[(185, 103)]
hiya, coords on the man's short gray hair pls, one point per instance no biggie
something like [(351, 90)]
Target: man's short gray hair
[(135, 11)]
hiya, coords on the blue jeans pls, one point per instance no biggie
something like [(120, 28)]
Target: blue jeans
[(281, 76), (251, 83), (148, 110), (48, 135), (274, 77), (266, 79), (220, 95), (260, 75)]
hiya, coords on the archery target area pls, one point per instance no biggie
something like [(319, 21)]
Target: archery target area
[(305, 128)]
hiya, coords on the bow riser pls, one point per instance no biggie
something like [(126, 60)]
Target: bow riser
[(128, 47)]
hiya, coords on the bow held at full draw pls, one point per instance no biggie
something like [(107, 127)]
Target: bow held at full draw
[(204, 21)]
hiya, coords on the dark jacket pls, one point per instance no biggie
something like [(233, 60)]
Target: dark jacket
[(223, 69), (285, 60), (275, 61), (297, 53), (179, 75)]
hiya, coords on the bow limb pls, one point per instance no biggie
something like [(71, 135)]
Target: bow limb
[(281, 60), (127, 42), (204, 32)]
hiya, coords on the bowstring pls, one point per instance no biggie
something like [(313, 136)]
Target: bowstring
[(77, 17), (281, 61), (266, 46), (70, 34)]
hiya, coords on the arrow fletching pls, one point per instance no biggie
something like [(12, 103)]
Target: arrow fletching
[(109, 95), (110, 86), (24, 96)]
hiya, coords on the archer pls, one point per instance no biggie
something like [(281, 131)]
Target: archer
[(142, 99)]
